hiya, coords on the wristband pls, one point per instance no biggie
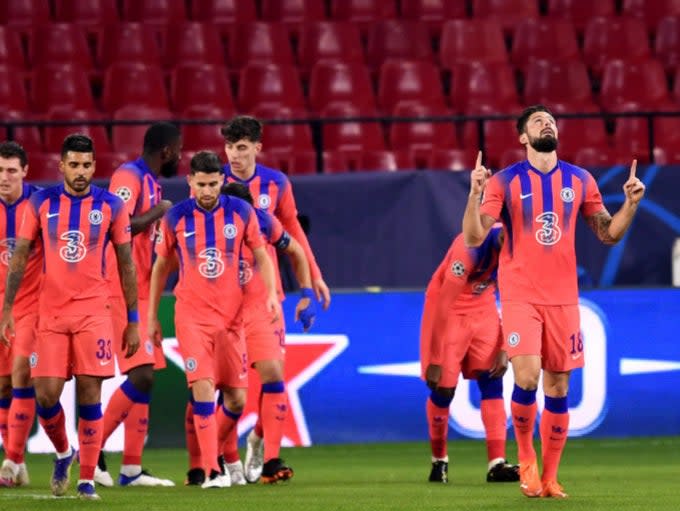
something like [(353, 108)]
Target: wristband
[(133, 316), (307, 292)]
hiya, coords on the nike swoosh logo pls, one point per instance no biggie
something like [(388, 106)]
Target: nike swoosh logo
[(187, 234), (152, 196), (525, 195), (52, 215), (576, 357), (241, 376), (202, 427), (104, 363)]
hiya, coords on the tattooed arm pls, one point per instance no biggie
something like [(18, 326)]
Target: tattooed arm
[(128, 282), (610, 229), (17, 266)]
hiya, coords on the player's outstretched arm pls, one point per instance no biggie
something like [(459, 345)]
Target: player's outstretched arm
[(610, 229), (159, 276), (305, 310), (141, 223), (475, 225), (17, 266), (128, 282), (266, 267)]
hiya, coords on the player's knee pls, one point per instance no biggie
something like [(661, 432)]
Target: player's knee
[(270, 371), (141, 378), (442, 396), (528, 380), (234, 399), (490, 388)]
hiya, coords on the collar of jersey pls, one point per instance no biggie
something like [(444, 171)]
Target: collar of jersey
[(229, 173), (25, 192), (141, 164), (77, 197), (220, 203), (528, 166)]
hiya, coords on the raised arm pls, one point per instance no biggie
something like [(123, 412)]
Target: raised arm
[(15, 273), (476, 225), (128, 283)]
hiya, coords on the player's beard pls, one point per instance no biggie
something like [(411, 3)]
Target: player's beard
[(544, 144), (169, 168), (79, 184), (208, 204)]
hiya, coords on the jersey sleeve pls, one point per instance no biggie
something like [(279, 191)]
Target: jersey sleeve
[(120, 223), (30, 223), (287, 213), (278, 235), (252, 236), (459, 264), (166, 239), (592, 202), (126, 185), (494, 195)]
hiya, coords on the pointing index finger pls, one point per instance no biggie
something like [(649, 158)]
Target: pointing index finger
[(633, 168), (478, 163)]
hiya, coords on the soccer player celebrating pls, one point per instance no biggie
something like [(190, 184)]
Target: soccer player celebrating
[(74, 221), (537, 201), (206, 233), (16, 387), (460, 331), (136, 183), (273, 193)]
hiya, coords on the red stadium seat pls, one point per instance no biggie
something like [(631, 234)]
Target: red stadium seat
[(629, 86), (269, 84), (410, 82), (432, 12), (60, 43), (509, 13), (484, 87), (579, 12), (420, 138), (61, 87), (200, 85), (511, 156), (154, 12), (596, 157), (499, 136), (334, 162), (44, 167), (364, 13), (575, 134), (259, 42), (667, 43), (24, 14), (384, 160), (223, 13), (544, 38), (352, 138), (651, 12), (606, 39), (55, 135), (127, 42), (196, 137), (27, 136), (293, 13), (90, 14), (631, 139), (129, 138), (12, 90), (305, 163), (340, 83), (397, 39), (286, 138), (452, 159), (11, 53), (464, 41), (133, 84), (328, 41), (107, 163), (562, 85), (192, 42)]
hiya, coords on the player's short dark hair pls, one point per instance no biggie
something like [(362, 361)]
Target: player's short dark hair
[(205, 161), (160, 135), (11, 149), (242, 127), (238, 190), (78, 143), (528, 112)]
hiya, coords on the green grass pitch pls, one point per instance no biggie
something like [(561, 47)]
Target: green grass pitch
[(611, 475)]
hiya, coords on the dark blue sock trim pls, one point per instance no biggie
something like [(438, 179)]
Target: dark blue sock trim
[(523, 397), (90, 412), (204, 408), (48, 413), (439, 400), (220, 398), (275, 387), (5, 402), (490, 388), (556, 404), (23, 393), (230, 414), (133, 394)]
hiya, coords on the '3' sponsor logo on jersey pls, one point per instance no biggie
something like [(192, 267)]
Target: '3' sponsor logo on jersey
[(74, 250), (213, 266)]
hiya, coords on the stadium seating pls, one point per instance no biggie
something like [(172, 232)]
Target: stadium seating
[(192, 42), (269, 85), (127, 42), (204, 136), (484, 87), (332, 83), (203, 85), (628, 86), (89, 14), (404, 82), (223, 14), (292, 13), (464, 41), (12, 90), (129, 84), (363, 12), (55, 135), (24, 14), (258, 42), (544, 39), (667, 43), (57, 44), (384, 160), (11, 53), (284, 138), (128, 138), (432, 12), (564, 85), (397, 39), (509, 13), (352, 138), (328, 41), (43, 166), (27, 136), (60, 87), (107, 163), (156, 13), (452, 159), (651, 12), (614, 38), (499, 136)]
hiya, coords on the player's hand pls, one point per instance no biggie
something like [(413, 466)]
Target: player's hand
[(131, 339), (7, 329), (165, 205), (634, 189), (479, 176), (500, 365), (273, 307), (305, 311), (433, 374), (154, 331), (323, 294)]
